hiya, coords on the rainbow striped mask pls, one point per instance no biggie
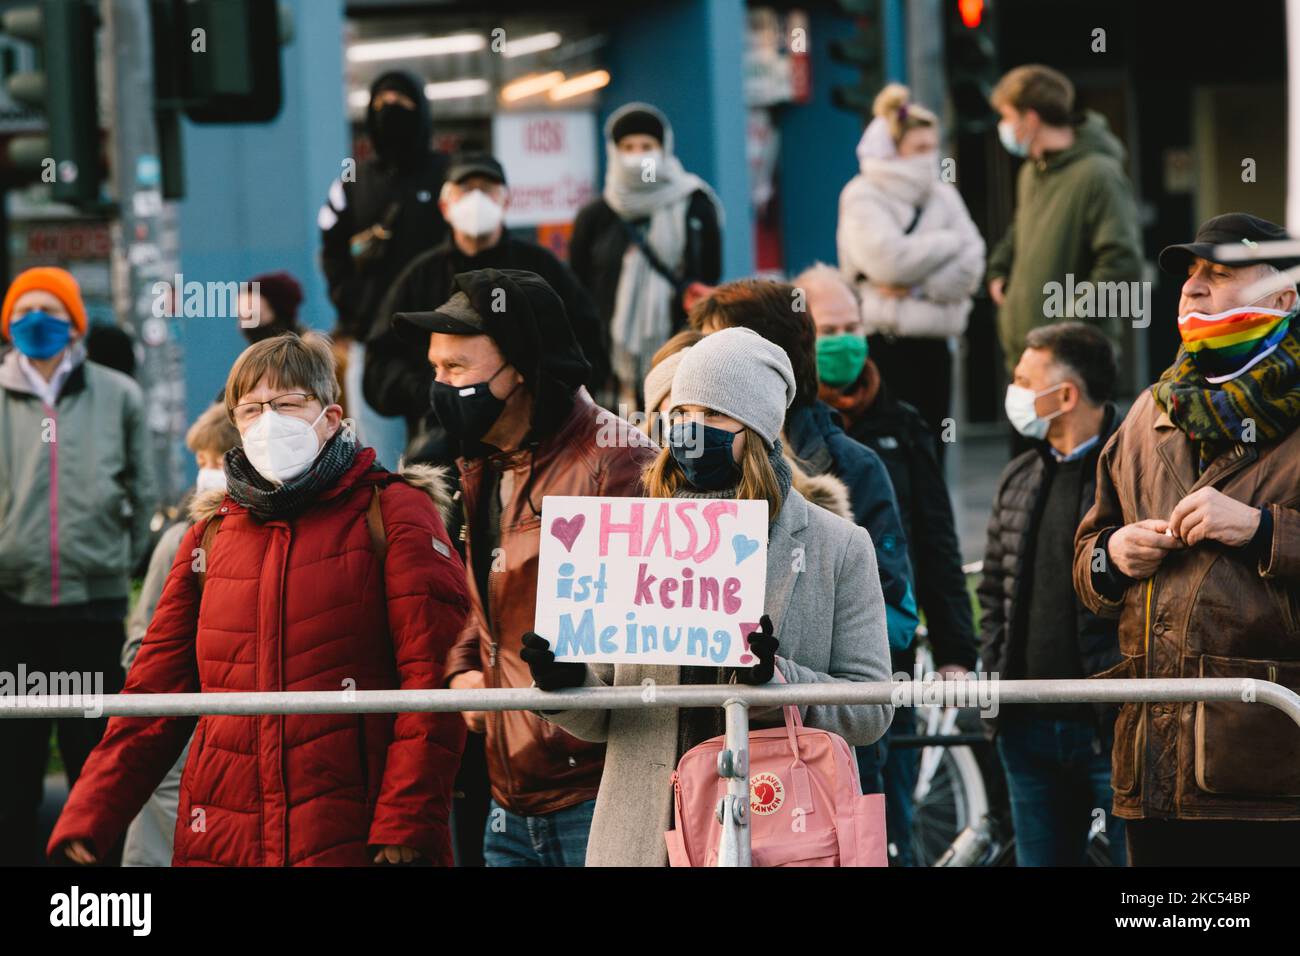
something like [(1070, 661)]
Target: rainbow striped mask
[(1227, 343)]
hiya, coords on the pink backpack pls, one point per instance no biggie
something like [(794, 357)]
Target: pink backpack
[(790, 768)]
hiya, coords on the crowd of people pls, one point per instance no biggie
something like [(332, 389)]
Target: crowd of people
[(367, 511)]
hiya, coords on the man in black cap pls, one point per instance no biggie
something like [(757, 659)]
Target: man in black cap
[(379, 214), (1193, 542), (507, 387), (474, 200)]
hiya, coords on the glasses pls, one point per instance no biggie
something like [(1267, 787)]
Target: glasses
[(291, 403)]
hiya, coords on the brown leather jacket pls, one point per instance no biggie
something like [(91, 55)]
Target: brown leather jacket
[(535, 767), (1207, 612)]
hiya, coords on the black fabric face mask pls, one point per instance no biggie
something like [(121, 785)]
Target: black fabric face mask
[(395, 131), (468, 412), (704, 455)]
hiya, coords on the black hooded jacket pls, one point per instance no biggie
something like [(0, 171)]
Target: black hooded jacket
[(398, 188)]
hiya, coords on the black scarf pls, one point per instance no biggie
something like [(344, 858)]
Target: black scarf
[(697, 724), (267, 500)]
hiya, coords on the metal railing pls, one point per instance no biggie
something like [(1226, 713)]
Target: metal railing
[(733, 762)]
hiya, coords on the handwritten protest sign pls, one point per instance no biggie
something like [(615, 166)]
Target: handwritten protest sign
[(651, 580)]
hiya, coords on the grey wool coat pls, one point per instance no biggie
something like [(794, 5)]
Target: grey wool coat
[(829, 620)]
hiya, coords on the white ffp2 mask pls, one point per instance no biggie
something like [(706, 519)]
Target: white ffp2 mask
[(475, 214), (1020, 410), (281, 447), (210, 479)]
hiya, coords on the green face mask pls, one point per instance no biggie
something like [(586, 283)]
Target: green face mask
[(840, 358)]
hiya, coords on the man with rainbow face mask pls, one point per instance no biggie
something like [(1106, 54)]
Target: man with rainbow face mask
[(1193, 542)]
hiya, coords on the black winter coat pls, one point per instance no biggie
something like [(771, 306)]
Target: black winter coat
[(1003, 589), (896, 432)]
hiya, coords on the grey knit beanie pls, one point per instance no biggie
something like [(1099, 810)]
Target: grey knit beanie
[(659, 381), (741, 374)]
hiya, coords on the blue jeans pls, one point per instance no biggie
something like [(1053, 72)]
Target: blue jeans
[(1058, 775), (550, 839), (892, 771)]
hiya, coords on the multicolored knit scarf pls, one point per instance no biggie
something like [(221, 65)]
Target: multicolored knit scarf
[(1228, 343), (267, 500), (1215, 415)]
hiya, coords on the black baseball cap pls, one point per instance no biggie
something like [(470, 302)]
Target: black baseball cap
[(456, 316), (465, 165), (1230, 229)]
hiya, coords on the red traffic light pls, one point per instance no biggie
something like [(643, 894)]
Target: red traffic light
[(971, 12)]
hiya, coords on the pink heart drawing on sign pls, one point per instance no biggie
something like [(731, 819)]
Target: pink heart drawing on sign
[(747, 628), (568, 529)]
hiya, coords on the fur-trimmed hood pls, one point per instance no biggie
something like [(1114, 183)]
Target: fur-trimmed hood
[(431, 479), (826, 491)]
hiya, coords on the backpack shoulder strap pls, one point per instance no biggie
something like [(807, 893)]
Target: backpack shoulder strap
[(375, 522), (208, 540)]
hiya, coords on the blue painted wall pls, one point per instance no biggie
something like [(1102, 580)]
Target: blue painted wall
[(252, 193), (685, 57), (818, 139)]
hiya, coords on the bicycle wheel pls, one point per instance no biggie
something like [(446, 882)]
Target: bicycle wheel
[(952, 799)]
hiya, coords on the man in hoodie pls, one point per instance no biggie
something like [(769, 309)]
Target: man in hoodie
[(508, 388), (76, 497), (473, 200), (1075, 212), (379, 215)]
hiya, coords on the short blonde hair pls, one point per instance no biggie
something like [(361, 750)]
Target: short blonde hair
[(894, 105), (286, 361), (212, 431), (664, 477)]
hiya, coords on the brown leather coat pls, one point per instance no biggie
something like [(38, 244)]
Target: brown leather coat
[(535, 767), (1207, 612)]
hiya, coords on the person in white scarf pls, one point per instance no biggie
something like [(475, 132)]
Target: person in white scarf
[(644, 180), (909, 247)]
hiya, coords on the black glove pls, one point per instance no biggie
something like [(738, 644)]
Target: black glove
[(547, 674), (762, 644)]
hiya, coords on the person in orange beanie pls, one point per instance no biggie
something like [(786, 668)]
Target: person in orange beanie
[(74, 520)]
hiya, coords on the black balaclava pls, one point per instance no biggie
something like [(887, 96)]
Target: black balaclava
[(400, 136)]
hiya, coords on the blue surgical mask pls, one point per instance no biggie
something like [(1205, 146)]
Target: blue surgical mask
[(705, 455), (1007, 136), (39, 335)]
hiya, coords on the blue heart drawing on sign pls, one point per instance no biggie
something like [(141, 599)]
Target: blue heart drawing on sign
[(743, 546)]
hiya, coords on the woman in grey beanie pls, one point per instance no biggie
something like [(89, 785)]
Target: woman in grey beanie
[(824, 611)]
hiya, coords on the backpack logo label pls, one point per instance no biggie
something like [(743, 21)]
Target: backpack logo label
[(766, 793)]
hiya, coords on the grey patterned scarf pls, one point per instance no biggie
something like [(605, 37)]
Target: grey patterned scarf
[(266, 500)]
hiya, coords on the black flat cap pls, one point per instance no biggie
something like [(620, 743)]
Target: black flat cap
[(1231, 229), (465, 165), (456, 316)]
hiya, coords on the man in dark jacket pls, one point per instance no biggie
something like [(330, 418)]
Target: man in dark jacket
[(1056, 756), (397, 373), (377, 217), (508, 377), (851, 384)]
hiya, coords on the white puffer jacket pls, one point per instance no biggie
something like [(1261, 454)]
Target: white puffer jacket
[(941, 259)]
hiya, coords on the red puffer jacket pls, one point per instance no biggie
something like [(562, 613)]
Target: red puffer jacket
[(302, 604)]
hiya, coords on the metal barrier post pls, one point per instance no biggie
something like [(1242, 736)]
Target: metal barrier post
[(733, 766)]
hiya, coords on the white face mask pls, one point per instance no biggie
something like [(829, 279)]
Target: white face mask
[(1020, 410), (210, 479), (281, 447), (475, 214)]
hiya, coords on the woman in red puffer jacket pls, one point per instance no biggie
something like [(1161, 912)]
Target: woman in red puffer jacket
[(315, 570)]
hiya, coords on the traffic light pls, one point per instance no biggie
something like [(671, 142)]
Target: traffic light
[(865, 51), (68, 156), (228, 55), (972, 64)]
